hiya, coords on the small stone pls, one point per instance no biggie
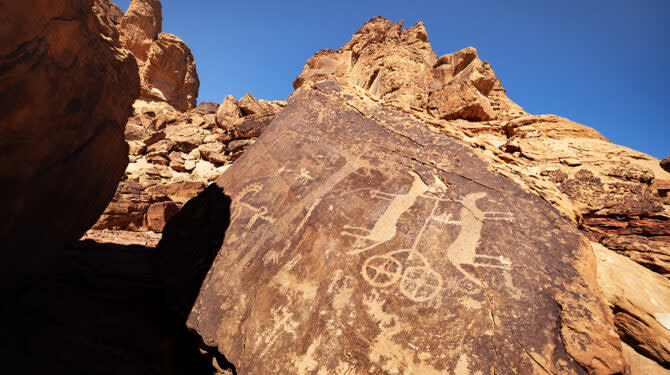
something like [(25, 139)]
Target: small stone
[(190, 164), (228, 112)]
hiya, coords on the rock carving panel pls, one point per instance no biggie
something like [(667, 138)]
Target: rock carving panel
[(408, 267)]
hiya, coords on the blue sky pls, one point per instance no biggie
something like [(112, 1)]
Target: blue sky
[(599, 63)]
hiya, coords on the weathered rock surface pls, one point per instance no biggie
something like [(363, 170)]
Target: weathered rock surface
[(174, 155), (399, 67), (167, 67), (615, 194), (665, 163), (169, 74), (110, 17), (140, 27), (618, 197), (640, 300), (65, 97), (641, 365), (365, 242)]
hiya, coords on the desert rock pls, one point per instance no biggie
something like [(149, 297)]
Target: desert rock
[(158, 214), (641, 302), (174, 155), (399, 67), (167, 67), (169, 73), (228, 112), (374, 239), (66, 95), (140, 27), (110, 17)]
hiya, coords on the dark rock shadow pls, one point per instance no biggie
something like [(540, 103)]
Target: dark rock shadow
[(190, 243), (118, 309)]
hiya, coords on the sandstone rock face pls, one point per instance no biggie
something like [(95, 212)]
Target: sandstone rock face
[(140, 27), (66, 95), (365, 242), (399, 67), (615, 194), (167, 67), (641, 365), (174, 155), (641, 300), (169, 73), (109, 16)]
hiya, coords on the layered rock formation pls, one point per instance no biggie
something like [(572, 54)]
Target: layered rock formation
[(167, 67), (641, 301), (174, 155), (66, 95)]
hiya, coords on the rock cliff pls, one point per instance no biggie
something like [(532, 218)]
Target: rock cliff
[(166, 65), (174, 155)]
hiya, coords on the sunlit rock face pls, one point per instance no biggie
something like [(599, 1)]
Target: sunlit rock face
[(399, 66), (167, 67), (365, 242)]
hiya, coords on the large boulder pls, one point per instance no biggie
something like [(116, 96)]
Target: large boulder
[(169, 73), (65, 97), (140, 27), (665, 163), (167, 67), (110, 17), (361, 241)]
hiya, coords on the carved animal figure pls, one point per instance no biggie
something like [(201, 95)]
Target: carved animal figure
[(463, 249), (385, 228)]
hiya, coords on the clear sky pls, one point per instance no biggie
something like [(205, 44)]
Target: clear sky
[(599, 63)]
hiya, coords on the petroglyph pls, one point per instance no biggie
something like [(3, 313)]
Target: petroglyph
[(257, 213), (463, 250), (407, 267), (385, 227), (283, 169), (418, 281), (305, 176)]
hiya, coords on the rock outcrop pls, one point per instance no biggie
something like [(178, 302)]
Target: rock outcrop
[(169, 73), (399, 67), (167, 67), (366, 242), (140, 27), (110, 17), (174, 155), (641, 301), (66, 95)]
